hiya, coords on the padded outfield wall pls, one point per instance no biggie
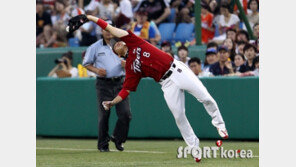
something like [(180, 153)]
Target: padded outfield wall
[(68, 107)]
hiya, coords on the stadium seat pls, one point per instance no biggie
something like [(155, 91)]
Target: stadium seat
[(73, 42), (167, 31), (184, 32)]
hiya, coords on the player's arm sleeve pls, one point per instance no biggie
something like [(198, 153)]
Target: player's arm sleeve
[(130, 84), (89, 57)]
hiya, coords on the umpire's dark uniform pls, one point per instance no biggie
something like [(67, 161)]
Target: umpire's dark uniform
[(100, 55)]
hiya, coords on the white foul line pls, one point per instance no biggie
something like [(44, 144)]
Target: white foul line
[(86, 149), (89, 149)]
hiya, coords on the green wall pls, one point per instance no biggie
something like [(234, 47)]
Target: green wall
[(67, 107), (45, 57)]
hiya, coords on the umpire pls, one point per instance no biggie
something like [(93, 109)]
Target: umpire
[(100, 59)]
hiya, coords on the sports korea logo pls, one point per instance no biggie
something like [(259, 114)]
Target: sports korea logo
[(213, 152)]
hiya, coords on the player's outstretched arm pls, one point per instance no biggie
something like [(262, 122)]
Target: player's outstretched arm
[(113, 30)]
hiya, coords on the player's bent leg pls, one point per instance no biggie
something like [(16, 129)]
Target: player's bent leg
[(188, 81), (175, 99)]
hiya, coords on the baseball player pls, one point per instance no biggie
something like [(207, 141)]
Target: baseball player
[(145, 60)]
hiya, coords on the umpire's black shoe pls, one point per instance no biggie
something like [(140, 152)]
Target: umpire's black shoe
[(118, 145)]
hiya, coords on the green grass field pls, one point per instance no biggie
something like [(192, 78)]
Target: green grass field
[(83, 153)]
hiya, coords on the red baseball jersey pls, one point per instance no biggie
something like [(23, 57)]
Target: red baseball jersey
[(144, 60)]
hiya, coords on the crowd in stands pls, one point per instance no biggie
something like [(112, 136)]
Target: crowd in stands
[(231, 50)]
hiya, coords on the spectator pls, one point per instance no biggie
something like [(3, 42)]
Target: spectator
[(212, 45), (231, 33), (43, 25), (143, 28), (231, 47), (256, 36), (222, 67), (61, 17), (73, 9), (256, 63), (256, 31), (213, 6), (92, 6), (157, 32), (195, 65), (158, 10), (242, 35), (64, 67), (88, 32), (166, 46), (250, 54), (240, 47), (104, 9), (125, 14), (226, 20), (207, 29), (60, 20), (253, 17), (211, 58), (239, 63), (186, 12), (183, 54), (174, 5)]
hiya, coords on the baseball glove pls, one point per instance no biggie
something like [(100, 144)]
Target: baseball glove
[(75, 22)]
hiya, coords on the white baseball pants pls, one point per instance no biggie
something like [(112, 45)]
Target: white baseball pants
[(173, 87)]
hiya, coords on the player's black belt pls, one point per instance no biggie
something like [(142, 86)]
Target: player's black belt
[(113, 79), (168, 73)]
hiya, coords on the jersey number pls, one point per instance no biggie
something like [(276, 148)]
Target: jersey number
[(146, 54)]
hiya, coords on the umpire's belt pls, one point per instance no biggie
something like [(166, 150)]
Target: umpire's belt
[(113, 79), (169, 72)]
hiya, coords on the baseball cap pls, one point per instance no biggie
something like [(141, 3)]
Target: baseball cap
[(211, 51), (222, 47)]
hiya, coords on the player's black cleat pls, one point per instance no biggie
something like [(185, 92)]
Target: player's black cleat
[(118, 145)]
